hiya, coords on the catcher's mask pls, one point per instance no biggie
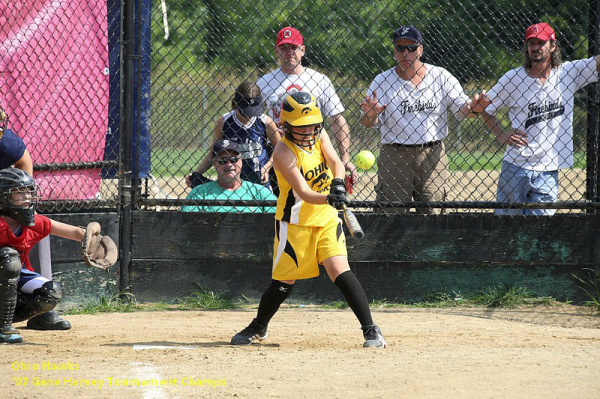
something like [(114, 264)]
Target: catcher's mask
[(18, 195), (3, 122), (298, 110)]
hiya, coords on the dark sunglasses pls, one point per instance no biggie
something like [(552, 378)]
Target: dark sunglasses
[(226, 160), (411, 48)]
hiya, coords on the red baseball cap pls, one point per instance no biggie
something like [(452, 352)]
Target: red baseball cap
[(541, 31), (289, 35)]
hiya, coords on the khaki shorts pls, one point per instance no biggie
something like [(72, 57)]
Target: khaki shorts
[(299, 250), (412, 174)]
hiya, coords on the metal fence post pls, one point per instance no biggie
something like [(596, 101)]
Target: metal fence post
[(125, 207), (593, 153)]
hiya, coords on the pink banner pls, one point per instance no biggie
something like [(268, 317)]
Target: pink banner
[(54, 86)]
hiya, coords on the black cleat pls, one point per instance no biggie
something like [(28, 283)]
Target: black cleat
[(373, 337), (48, 321), (254, 332)]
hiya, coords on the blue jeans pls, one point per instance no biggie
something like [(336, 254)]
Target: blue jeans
[(522, 185)]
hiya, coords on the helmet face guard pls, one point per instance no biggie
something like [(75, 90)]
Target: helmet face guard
[(304, 140), (22, 202), (18, 195), (298, 110)]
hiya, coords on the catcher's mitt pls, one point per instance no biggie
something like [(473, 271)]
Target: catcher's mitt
[(97, 250)]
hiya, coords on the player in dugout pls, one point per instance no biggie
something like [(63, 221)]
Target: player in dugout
[(308, 231)]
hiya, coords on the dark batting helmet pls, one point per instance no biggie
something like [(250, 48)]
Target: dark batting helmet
[(18, 195)]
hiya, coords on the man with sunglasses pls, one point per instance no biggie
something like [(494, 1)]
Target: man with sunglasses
[(229, 186), (293, 77), (410, 104), (540, 101)]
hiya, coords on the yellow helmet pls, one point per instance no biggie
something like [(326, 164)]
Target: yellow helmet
[(301, 109)]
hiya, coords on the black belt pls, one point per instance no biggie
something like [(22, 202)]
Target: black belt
[(422, 145)]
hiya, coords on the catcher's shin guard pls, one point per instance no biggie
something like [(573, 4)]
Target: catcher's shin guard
[(42, 300), (10, 267)]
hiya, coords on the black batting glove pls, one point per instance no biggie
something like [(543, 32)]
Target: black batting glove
[(337, 194)]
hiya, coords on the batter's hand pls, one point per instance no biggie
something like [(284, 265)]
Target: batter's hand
[(371, 107), (514, 137), (337, 194)]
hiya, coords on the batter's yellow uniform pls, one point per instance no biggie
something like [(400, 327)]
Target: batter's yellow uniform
[(305, 234)]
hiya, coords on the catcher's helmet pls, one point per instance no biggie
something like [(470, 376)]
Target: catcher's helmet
[(301, 109), (3, 122), (18, 195)]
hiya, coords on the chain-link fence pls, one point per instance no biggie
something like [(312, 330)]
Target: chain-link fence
[(54, 80), (189, 57)]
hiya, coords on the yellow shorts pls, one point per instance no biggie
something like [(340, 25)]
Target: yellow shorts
[(299, 250)]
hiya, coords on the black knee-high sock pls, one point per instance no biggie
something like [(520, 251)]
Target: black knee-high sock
[(355, 296), (270, 301)]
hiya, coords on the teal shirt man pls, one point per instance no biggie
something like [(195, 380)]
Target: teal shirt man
[(213, 191), (227, 160)]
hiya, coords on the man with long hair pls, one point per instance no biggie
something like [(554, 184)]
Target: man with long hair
[(539, 97)]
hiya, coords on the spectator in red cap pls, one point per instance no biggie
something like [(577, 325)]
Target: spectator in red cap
[(539, 97), (292, 77)]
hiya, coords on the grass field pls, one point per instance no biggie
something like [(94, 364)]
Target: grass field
[(175, 162)]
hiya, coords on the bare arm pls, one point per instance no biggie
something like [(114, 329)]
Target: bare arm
[(367, 122), (331, 157), (514, 137), (274, 135), (597, 58), (371, 109), (66, 231), (206, 162), (284, 162), (341, 131), (25, 163), (467, 111), (273, 132), (476, 106)]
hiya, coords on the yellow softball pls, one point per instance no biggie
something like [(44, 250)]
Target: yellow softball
[(364, 160)]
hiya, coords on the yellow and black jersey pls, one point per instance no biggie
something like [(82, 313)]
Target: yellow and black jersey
[(312, 165)]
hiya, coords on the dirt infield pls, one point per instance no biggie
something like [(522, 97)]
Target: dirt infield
[(432, 353)]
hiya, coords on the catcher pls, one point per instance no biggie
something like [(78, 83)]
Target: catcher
[(23, 293)]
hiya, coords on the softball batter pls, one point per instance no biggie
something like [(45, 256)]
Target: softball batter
[(308, 232)]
